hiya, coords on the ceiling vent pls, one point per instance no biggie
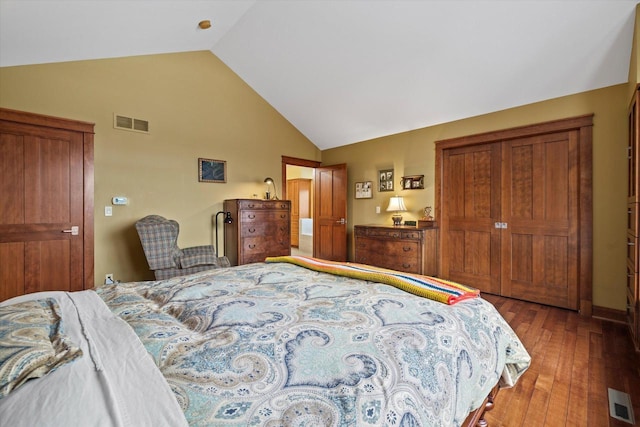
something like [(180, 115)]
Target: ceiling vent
[(129, 123)]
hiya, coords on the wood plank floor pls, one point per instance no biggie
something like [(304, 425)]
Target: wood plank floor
[(574, 360)]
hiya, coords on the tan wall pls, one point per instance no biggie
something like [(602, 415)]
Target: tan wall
[(634, 65), (413, 153), (196, 106)]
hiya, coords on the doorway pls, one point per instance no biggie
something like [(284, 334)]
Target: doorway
[(329, 210), (299, 189)]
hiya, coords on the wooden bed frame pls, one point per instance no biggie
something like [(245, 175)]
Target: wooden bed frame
[(476, 418)]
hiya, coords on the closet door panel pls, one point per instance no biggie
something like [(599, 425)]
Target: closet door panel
[(471, 246), (540, 207)]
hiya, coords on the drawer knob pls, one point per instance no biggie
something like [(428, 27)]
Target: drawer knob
[(251, 216), (252, 246), (252, 230), (406, 248)]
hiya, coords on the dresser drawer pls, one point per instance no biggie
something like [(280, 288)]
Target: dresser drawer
[(407, 265), (397, 249), (263, 204), (632, 251), (632, 219), (397, 255), (393, 234), (632, 284), (258, 216)]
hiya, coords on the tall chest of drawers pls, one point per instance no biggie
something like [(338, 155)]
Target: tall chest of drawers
[(408, 249), (260, 228)]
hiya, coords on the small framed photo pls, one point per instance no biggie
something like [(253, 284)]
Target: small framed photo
[(386, 180), (412, 182), (364, 190), (210, 170)]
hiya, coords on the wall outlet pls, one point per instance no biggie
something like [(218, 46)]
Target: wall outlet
[(108, 278)]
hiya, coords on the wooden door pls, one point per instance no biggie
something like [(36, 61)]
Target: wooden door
[(540, 213), (471, 243), (43, 223), (330, 207)]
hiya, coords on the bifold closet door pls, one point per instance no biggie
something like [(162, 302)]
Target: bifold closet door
[(470, 209), (539, 245)]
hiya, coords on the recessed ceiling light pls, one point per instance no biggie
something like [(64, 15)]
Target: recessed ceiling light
[(204, 24)]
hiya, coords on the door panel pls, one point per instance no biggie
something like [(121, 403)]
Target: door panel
[(471, 243), (330, 227), (43, 175), (540, 206)]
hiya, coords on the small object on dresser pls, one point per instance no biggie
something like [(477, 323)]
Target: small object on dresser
[(427, 214), (410, 223), (422, 223)]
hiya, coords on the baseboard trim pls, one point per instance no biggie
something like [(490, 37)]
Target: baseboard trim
[(610, 314)]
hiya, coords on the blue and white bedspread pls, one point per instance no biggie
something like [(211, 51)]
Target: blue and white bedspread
[(280, 345)]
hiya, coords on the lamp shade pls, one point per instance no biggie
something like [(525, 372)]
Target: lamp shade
[(396, 204)]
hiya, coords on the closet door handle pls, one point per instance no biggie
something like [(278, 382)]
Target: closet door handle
[(74, 230)]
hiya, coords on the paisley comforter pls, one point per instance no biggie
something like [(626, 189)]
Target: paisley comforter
[(277, 344)]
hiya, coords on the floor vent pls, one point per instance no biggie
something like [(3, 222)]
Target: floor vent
[(620, 406), (129, 123)]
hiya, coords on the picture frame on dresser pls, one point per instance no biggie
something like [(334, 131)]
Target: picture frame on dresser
[(364, 190), (210, 170)]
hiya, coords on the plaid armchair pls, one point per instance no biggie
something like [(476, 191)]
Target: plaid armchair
[(159, 238)]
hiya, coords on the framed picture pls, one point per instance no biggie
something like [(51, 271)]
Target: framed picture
[(363, 190), (210, 170), (386, 180), (412, 182)]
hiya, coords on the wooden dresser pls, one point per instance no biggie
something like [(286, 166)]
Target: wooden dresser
[(403, 248), (260, 229), (633, 222)]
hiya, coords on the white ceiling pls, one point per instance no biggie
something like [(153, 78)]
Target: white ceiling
[(347, 71)]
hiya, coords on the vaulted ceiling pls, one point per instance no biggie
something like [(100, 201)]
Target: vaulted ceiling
[(344, 71)]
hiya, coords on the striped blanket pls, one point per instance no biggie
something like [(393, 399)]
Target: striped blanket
[(439, 290)]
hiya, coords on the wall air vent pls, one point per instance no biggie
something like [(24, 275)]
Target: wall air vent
[(620, 406), (129, 123)]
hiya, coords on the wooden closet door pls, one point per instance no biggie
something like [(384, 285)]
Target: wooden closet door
[(42, 189), (471, 243), (540, 208)]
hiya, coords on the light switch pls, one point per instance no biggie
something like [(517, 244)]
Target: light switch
[(377, 209), (108, 211)]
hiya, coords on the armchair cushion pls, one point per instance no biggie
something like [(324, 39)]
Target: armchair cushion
[(197, 255)]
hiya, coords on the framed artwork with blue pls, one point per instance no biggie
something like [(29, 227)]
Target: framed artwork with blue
[(210, 170)]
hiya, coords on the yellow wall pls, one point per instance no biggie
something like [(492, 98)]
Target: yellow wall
[(196, 106), (634, 65), (413, 153)]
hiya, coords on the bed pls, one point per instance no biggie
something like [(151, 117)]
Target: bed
[(265, 344)]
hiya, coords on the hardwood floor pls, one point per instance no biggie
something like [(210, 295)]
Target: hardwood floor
[(574, 360)]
